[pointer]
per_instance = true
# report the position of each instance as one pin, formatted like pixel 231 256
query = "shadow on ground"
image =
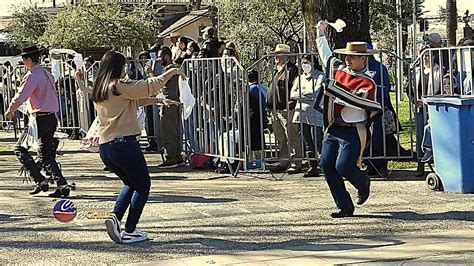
pixel 158 198
pixel 211 245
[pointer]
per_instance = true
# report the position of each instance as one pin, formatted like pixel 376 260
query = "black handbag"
pixel 390 122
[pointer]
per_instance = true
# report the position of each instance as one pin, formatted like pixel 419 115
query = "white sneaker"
pixel 113 228
pixel 134 237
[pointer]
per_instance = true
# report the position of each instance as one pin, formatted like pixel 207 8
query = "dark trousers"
pixel 125 159
pixel 420 128
pixel 47 146
pixel 313 137
pixel 170 133
pixel 2 108
pixel 426 143
pixel 341 149
pixel 150 126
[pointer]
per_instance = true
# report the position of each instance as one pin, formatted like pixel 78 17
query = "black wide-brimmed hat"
pixel 30 50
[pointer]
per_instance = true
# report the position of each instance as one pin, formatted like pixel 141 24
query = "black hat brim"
pixel 32 52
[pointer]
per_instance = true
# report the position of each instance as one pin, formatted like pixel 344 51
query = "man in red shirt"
pixel 349 107
pixel 39 92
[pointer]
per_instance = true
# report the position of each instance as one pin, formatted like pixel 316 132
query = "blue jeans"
pixel 420 126
pixel 189 131
pixel 341 149
pixel 427 138
pixel 125 159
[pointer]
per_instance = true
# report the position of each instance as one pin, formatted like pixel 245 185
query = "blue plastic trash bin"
pixel 452 133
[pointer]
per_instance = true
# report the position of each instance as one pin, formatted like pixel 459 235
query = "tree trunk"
pixel 310 17
pixel 451 22
pixel 354 12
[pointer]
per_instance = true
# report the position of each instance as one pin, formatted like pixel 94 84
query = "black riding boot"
pixel 313 170
pixel 31 169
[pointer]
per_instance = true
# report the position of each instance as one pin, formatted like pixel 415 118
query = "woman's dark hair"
pixel 195 47
pixel 230 52
pixel 89 59
pixel 110 71
pixel 183 40
pixel 253 76
pixel 165 50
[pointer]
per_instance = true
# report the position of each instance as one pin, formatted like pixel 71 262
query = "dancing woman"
pixel 117 101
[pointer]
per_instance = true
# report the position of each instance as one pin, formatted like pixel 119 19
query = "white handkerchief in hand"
pixel 78 61
pixel 186 97
pixel 339 25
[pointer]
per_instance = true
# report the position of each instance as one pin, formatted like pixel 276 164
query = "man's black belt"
pixel 44 113
pixel 132 138
pixel 344 124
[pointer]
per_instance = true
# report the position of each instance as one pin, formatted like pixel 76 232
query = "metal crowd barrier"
pixel 219 123
pixel 221 88
pixel 446 71
pixel 74 106
pixel 439 71
pixel 383 144
pixel 11 79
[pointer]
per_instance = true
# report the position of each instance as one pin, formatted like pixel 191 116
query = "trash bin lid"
pixel 451 99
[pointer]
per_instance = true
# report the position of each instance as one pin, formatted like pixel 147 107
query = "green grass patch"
pixel 5 148
pixel 405 116
pixel 406 121
pixel 401 165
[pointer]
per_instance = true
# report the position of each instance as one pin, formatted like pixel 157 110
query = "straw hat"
pixel 282 49
pixel 175 34
pixel 355 48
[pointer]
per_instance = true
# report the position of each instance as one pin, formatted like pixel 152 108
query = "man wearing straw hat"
pixel 349 108
pixel 39 91
pixel 286 133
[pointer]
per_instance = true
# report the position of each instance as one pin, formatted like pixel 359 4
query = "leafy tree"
pixel 378 25
pixel 103 26
pixel 27 26
pixel 354 13
pixel 383 18
pixel 257 26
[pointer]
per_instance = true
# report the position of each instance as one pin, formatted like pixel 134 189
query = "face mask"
pixel 306 68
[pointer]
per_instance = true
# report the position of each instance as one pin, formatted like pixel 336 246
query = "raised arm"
pixel 80 83
pixel 153 100
pixel 322 43
pixel 141 89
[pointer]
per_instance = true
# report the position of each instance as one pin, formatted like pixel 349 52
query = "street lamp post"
pixel 414 51
pixel 399 53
